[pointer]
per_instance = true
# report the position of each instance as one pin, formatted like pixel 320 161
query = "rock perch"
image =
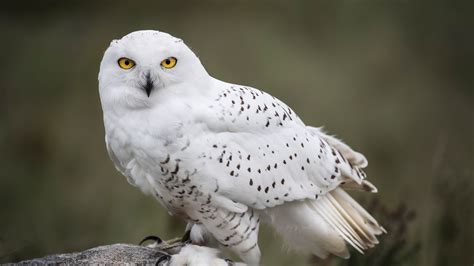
pixel 110 254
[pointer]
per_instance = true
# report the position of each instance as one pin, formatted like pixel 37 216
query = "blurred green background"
pixel 394 79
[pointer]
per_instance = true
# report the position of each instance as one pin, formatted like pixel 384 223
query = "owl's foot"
pixel 171 246
pixel 196 255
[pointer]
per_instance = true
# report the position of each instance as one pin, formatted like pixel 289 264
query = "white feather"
pixel 192 255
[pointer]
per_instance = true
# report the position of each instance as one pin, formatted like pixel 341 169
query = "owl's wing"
pixel 261 154
pixel 121 167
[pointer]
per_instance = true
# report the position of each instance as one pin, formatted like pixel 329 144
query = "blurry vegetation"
pixel 394 79
pixel 454 198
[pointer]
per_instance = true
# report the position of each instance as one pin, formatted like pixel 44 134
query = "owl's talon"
pixel 156 240
pixel 186 237
pixel 162 260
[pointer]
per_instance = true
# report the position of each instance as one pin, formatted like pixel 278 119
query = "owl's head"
pixel 136 69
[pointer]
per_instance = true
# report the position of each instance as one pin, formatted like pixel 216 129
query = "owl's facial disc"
pixel 143 68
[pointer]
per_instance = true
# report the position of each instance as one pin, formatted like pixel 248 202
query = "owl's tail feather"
pixel 323 226
pixel 352 222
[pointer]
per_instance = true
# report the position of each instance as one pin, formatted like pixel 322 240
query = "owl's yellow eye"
pixel 169 62
pixel 126 63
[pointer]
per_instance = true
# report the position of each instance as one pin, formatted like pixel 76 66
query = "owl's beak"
pixel 147 85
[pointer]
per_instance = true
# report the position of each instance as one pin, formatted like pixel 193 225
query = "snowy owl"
pixel 226 157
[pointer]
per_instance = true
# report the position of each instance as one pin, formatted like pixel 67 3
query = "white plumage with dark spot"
pixel 225 156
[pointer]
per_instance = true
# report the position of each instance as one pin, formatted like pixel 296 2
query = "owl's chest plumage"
pixel 155 158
